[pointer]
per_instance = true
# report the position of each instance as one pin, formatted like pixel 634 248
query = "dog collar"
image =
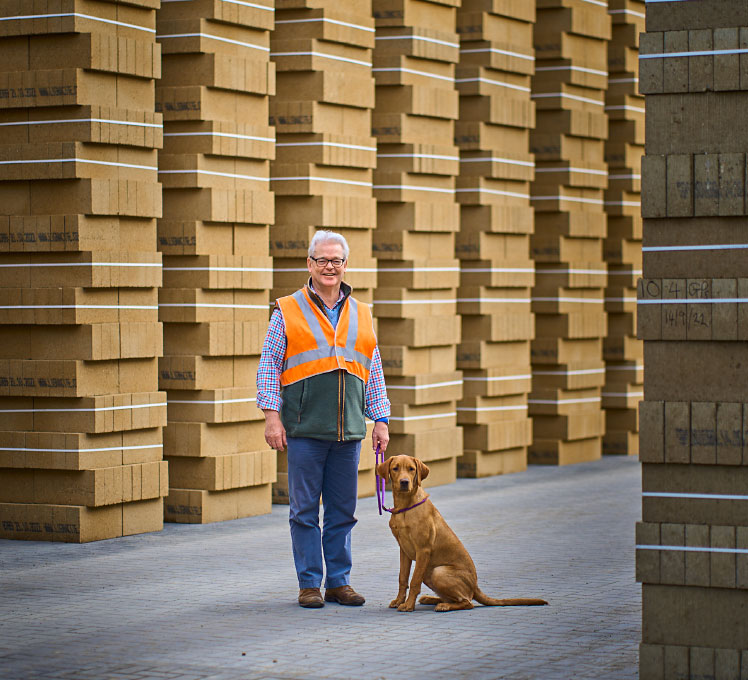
pixel 410 507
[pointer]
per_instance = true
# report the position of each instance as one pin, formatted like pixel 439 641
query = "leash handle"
pixel 378 480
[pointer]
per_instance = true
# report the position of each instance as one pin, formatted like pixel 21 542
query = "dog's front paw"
pixel 406 607
pixel 397 602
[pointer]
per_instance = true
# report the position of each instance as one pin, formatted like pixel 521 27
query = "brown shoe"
pixel 344 595
pixel 310 598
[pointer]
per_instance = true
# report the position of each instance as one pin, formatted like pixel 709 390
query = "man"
pixel 320 374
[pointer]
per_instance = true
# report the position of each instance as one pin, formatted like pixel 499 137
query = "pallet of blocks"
pixel 214 167
pixel 325 153
pixel 571 175
pixel 622 351
pixel 81 418
pixel 417 48
pixel 692 543
pixel 493 246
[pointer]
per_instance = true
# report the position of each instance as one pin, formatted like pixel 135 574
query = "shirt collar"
pixel 341 293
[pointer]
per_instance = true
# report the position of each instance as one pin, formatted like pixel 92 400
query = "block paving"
pixel 218 602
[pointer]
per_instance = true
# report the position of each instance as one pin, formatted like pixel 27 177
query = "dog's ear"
pixel 383 469
pixel 422 470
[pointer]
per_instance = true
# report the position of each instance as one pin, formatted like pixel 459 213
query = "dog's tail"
pixel 482 598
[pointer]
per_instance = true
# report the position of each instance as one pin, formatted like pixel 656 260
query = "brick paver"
pixel 218 602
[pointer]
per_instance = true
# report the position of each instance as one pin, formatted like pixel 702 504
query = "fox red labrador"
pixel 442 562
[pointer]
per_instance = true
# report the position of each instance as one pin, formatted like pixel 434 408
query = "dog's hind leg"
pixel 453 606
pixel 430 599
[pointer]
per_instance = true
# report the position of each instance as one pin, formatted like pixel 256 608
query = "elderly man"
pixel 320 374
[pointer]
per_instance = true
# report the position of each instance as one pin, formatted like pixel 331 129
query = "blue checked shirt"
pixel 271 367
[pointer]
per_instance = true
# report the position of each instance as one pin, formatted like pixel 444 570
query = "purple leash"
pixel 379 480
pixel 380 487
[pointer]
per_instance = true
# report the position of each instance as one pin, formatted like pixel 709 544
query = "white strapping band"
pixel 699 496
pixel 692 548
pixel 451 383
pixel 214 173
pixel 79 160
pixel 697 53
pixel 417 37
pixel 694 301
pixel 216 401
pixel 564 401
pixel 493 159
pixel 221 134
pixel 81 410
pixel 500 83
pixel 243 3
pixel 499 378
pixel 522 407
pixel 212 37
pixel 324 20
pixel 451 414
pixel 495 50
pixel 320 179
pixel 321 54
pixel 83 120
pixel 333 144
pixel 80 16
pixel 425 74
pixel 209 305
pixel 84 450
pixel 725 246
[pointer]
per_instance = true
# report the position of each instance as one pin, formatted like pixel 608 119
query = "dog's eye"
pixel 412 469
pixel 394 467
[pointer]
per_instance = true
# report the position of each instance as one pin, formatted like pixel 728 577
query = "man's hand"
pixel 380 436
pixel 275 433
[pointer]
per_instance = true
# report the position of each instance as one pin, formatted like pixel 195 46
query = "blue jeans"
pixel 329 469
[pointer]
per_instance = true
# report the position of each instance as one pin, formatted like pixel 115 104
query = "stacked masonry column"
pixel 496 277
pixel 623 353
pixel 692 545
pixel 80 415
pixel 417 217
pixel 214 92
pixel 570 224
pixel 322 173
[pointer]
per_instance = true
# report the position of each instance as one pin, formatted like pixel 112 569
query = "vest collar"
pixel 344 288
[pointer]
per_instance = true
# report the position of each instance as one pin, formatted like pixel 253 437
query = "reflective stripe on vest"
pixel 313 345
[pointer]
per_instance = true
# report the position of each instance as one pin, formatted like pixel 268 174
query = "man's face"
pixel 328 277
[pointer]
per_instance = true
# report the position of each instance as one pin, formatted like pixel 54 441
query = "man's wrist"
pixel 382 420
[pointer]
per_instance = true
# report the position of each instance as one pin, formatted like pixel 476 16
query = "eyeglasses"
pixel 322 262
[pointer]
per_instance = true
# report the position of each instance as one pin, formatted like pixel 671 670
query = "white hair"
pixel 324 236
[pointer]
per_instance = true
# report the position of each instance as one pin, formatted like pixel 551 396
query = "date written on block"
pixel 692 309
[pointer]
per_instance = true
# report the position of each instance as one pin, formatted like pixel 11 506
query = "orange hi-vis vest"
pixel 314 346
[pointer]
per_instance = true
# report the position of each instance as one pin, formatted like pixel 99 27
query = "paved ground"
pixel 218 601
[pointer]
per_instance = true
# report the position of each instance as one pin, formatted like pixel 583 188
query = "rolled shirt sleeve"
pixel 271 364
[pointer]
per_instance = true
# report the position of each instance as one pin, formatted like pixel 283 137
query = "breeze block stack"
pixel 215 167
pixel 570 224
pixel 692 543
pixel 325 153
pixel 623 352
pixel 493 245
pixel 80 413
pixel 415 303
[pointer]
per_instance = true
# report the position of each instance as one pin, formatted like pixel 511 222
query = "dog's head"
pixel 404 472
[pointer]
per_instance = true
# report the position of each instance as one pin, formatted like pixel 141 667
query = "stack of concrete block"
pixel 496 272
pixel 692 545
pixel 80 413
pixel 415 303
pixel 215 167
pixel 623 353
pixel 570 224
pixel 325 153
